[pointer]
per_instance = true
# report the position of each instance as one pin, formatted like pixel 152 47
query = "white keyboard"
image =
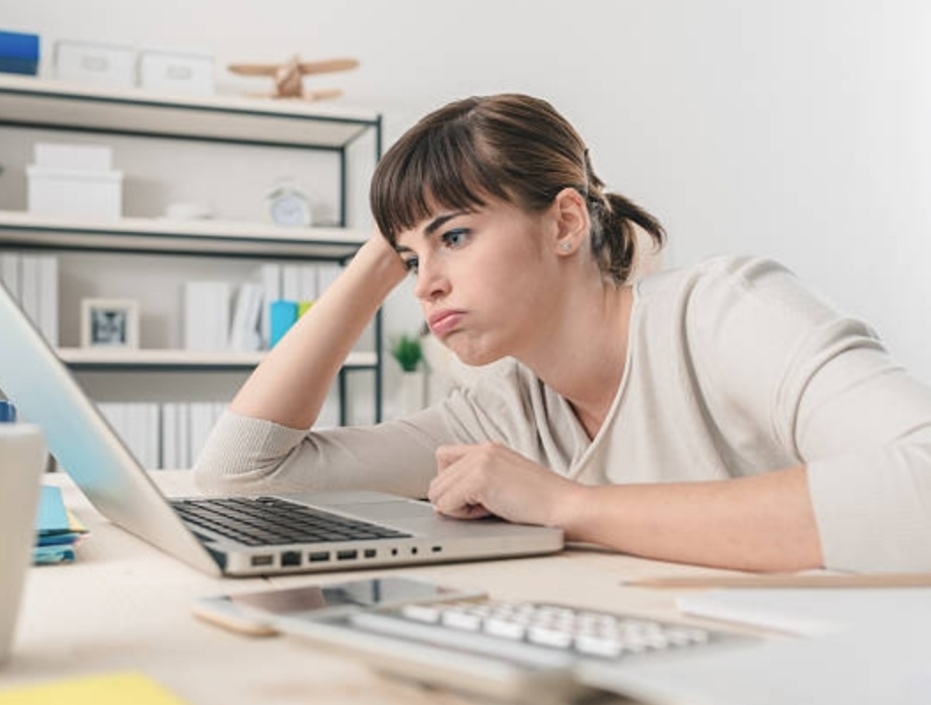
pixel 539 632
pixel 528 653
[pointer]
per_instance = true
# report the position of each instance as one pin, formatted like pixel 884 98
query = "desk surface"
pixel 123 605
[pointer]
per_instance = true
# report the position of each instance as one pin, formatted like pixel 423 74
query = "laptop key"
pixel 271 521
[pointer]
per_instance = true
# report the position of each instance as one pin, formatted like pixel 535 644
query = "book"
pixel 48 298
pixel 270 276
pixel 206 315
pixel 244 331
pixel 10 265
pixel 57 529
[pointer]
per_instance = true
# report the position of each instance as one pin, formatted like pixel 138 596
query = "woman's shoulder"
pixel 732 279
pixel 727 270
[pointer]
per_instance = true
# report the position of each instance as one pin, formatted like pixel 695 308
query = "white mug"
pixel 22 461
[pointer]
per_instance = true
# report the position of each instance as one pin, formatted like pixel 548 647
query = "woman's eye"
pixel 411 265
pixel 455 238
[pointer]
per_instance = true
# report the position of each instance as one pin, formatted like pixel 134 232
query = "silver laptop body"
pixel 45 392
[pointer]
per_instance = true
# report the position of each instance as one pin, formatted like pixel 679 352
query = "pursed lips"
pixel 443 322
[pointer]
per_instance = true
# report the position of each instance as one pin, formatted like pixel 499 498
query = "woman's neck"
pixel 584 361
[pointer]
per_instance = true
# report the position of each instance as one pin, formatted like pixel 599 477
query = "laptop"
pixel 234 536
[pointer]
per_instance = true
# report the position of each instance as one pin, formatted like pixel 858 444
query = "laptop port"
pixel 346 555
pixel 290 558
pixel 318 556
pixel 413 550
pixel 258 561
pixel 370 552
pixel 436 549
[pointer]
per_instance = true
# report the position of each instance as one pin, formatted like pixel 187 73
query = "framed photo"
pixel 109 323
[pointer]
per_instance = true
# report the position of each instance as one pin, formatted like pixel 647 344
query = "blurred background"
pixel 799 130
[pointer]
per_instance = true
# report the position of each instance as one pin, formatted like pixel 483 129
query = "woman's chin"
pixel 473 358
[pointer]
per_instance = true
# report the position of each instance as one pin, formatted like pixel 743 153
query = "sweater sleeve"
pixel 246 455
pixel 825 389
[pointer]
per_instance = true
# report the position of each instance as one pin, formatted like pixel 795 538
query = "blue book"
pixel 283 315
pixel 52 517
pixel 19 53
pixel 56 531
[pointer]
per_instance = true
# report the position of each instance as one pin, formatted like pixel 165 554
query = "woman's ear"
pixel 572 221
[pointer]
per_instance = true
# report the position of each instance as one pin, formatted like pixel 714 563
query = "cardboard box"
pixel 109 65
pixel 19 53
pixel 187 73
pixel 73 192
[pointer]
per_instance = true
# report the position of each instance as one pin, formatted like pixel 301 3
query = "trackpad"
pixel 399 509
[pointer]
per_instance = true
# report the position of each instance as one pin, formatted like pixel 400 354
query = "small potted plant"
pixel 408 351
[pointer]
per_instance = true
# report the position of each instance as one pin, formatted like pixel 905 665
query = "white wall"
pixel 799 129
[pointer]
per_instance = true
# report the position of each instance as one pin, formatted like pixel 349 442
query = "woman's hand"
pixel 478 480
pixel 380 256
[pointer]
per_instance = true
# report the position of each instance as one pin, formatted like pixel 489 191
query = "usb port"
pixel 370 552
pixel 346 555
pixel 257 561
pixel 290 558
pixel 318 556
pixel 436 549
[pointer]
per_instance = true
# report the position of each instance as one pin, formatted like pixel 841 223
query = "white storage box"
pixel 100 64
pixel 85 157
pixel 72 192
pixel 176 72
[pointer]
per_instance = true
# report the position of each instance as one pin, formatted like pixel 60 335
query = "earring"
pixel 565 246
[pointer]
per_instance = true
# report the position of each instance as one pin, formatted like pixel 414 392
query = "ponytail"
pixel 614 238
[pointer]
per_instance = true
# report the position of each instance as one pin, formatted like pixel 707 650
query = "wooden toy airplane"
pixel 287 76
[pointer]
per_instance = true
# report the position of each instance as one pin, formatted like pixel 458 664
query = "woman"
pixel 719 415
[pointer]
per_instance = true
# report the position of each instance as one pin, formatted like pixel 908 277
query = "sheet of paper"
pixel 810 611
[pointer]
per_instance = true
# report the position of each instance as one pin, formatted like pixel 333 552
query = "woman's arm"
pixel 291 384
pixel 764 522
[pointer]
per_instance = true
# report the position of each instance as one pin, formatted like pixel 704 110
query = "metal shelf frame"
pixel 28 102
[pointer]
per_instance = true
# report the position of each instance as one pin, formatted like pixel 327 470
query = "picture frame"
pixel 109 323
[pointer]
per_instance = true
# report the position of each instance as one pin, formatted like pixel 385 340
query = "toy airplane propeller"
pixel 288 76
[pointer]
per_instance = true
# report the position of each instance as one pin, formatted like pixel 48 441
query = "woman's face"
pixel 486 279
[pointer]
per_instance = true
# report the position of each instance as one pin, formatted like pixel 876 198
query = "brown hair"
pixel 511 147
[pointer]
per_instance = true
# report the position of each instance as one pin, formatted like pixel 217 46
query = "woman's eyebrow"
pixel 432 227
pixel 438 222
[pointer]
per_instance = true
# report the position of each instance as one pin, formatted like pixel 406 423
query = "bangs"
pixel 438 167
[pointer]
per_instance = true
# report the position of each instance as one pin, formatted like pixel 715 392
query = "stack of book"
pixel 33 281
pixel 216 319
pixel 57 529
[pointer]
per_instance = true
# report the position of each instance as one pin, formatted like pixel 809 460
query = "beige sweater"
pixel 733 369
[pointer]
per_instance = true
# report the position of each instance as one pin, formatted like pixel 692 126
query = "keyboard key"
pixel 548 627
pixel 271 521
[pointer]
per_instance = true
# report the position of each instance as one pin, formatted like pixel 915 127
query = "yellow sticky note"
pixel 113 689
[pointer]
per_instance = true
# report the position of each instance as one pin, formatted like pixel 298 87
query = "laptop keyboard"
pixel 270 521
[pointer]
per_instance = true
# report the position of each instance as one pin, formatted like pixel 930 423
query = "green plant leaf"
pixel 408 352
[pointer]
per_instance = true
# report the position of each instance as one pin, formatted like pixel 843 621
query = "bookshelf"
pixel 34 103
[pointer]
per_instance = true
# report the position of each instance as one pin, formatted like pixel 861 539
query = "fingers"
pixel 447 455
pixel 456 489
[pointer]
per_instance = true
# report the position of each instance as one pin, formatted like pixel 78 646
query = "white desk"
pixel 124 605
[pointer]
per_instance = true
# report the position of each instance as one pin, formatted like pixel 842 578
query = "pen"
pixel 778 580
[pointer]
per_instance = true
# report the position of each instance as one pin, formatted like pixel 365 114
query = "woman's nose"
pixel 431 282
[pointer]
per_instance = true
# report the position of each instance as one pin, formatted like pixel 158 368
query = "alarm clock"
pixel 288 206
